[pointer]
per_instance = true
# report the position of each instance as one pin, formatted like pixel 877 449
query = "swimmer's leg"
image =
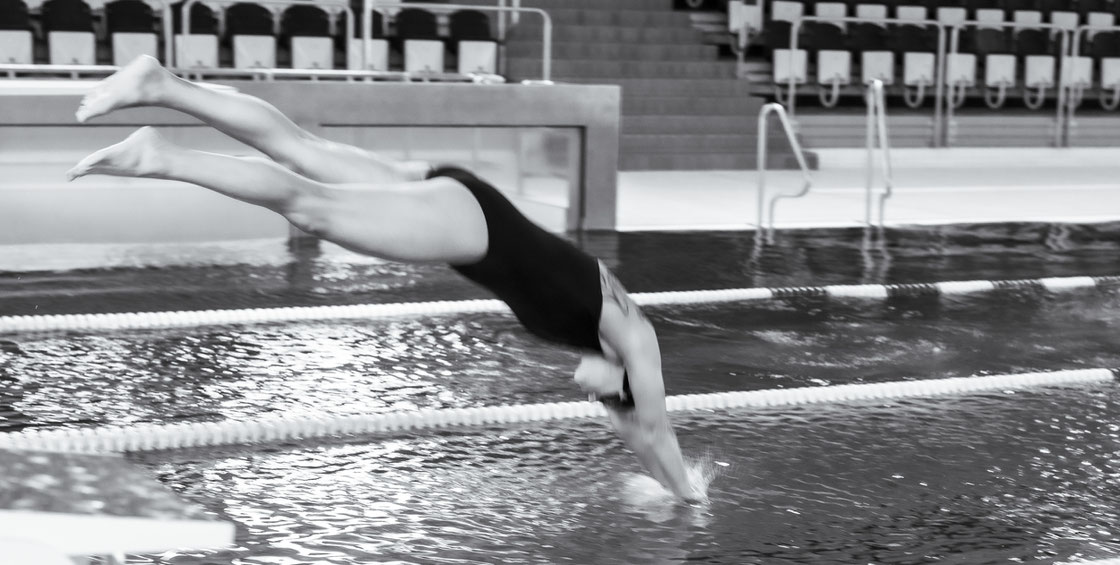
pixel 144 82
pixel 431 220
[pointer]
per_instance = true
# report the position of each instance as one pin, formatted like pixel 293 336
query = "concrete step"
pixel 653 124
pixel 689 106
pixel 615 51
pixel 687 143
pixel 604 16
pixel 531 67
pixel 658 5
pixel 674 87
pixel 529 31
pixel 706 161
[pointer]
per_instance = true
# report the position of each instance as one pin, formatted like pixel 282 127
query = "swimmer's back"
pixel 552 287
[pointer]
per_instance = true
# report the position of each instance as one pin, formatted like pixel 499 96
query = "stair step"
pixel 614 17
pixel 607 34
pixel 686 162
pixel 660 5
pixel 531 67
pixel 689 124
pixel 615 51
pixel 707 161
pixel 634 87
pixel 689 106
pixel 688 143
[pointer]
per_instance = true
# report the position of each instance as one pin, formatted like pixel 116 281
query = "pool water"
pixel 1001 477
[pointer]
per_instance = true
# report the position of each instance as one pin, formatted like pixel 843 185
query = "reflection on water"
pixel 993 478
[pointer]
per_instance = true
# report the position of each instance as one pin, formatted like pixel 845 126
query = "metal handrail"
pixel 515 10
pixel 954 45
pixel 877 130
pixel 939 66
pixel 1072 102
pixel 763 123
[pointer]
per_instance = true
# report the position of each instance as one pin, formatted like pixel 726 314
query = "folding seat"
pixel 378 57
pixel 16 40
pixel 1077 72
pixel 1024 11
pixel 131 25
pixel 69 28
pixel 951 15
pixel 306 29
pixel 1036 48
pixel 785 11
pixel 918 47
pixel 473 42
pixel 251 29
pixel 1106 47
pixel 1000 64
pixel 834 61
pixel 871 10
pixel 990 15
pixel 744 17
pixel 418 34
pixel 832 10
pixel 870 42
pixel 911 11
pixel 1097 13
pixel 198 47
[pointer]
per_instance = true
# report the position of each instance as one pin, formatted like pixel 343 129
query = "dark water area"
pixel 60 280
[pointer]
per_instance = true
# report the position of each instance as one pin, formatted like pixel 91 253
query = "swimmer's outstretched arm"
pixel 646 428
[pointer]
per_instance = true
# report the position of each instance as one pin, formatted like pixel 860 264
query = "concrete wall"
pixel 557 141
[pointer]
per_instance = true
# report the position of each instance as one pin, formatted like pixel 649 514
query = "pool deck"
pixel 931 186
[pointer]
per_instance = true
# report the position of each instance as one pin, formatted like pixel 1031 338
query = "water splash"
pixel 645 496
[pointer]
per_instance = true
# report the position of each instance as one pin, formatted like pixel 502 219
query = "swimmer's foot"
pixel 137 84
pixel 137 156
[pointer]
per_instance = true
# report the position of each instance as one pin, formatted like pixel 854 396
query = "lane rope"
pixel 155 437
pixel 179 319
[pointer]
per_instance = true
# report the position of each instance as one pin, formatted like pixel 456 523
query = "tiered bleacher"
pixel 995 50
pixel 321 35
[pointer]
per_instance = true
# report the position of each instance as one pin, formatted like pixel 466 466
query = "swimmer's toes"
pixel 133 85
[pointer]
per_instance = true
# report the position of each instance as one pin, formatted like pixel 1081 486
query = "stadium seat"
pixel 832 10
pixel 783 11
pixel 744 17
pixel 991 16
pixel 69 28
pixel 911 12
pixel 131 26
pixel 918 47
pixel 473 42
pixel 1106 47
pixel 16 39
pixel 1035 46
pixel 951 15
pixel 872 11
pixel 834 61
pixel 876 59
pixel 1000 63
pixel 378 57
pixel 252 31
pixel 198 48
pixel 307 31
pixel 418 32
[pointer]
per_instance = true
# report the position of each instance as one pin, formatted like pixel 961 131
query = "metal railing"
pixel 939 65
pixel 1075 93
pixel 877 131
pixel 765 225
pixel 954 45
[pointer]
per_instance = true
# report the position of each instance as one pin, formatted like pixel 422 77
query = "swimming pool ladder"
pixel 765 223
pixel 877 131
